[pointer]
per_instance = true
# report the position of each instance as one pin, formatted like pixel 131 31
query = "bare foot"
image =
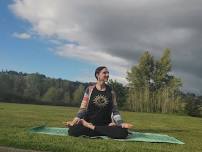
pixel 112 124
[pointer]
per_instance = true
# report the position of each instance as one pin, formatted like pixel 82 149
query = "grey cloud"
pixel 176 25
pixel 126 29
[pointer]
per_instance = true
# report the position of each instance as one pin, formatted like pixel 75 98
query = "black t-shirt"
pixel 99 107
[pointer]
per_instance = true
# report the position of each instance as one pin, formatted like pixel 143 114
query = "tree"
pixel 151 86
pixel 19 85
pixel 67 98
pixel 6 84
pixel 78 95
pixel 140 83
pixel 193 105
pixel 142 74
pixel 50 95
pixel 120 92
pixel 32 86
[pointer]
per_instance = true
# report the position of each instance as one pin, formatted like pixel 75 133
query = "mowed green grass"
pixel 16 119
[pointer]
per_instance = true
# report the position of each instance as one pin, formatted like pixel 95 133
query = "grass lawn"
pixel 15 119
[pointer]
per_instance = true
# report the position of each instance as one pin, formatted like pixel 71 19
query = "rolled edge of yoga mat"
pixel 38 127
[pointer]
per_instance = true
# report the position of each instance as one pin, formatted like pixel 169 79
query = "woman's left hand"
pixel 68 123
pixel 126 125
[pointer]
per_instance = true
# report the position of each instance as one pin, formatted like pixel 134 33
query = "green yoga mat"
pixel 134 136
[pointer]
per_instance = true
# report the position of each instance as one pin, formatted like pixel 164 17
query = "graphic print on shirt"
pixel 100 101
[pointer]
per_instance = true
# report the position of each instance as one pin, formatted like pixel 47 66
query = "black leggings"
pixel 110 131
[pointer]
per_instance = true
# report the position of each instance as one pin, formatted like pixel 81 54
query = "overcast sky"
pixel 116 33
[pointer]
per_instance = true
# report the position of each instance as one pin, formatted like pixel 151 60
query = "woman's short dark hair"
pixel 98 69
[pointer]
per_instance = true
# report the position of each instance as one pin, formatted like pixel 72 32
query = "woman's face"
pixel 103 75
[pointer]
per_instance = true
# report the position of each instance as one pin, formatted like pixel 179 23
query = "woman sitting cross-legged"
pixel 98 114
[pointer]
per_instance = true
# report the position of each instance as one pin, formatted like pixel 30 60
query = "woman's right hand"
pixel 76 120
